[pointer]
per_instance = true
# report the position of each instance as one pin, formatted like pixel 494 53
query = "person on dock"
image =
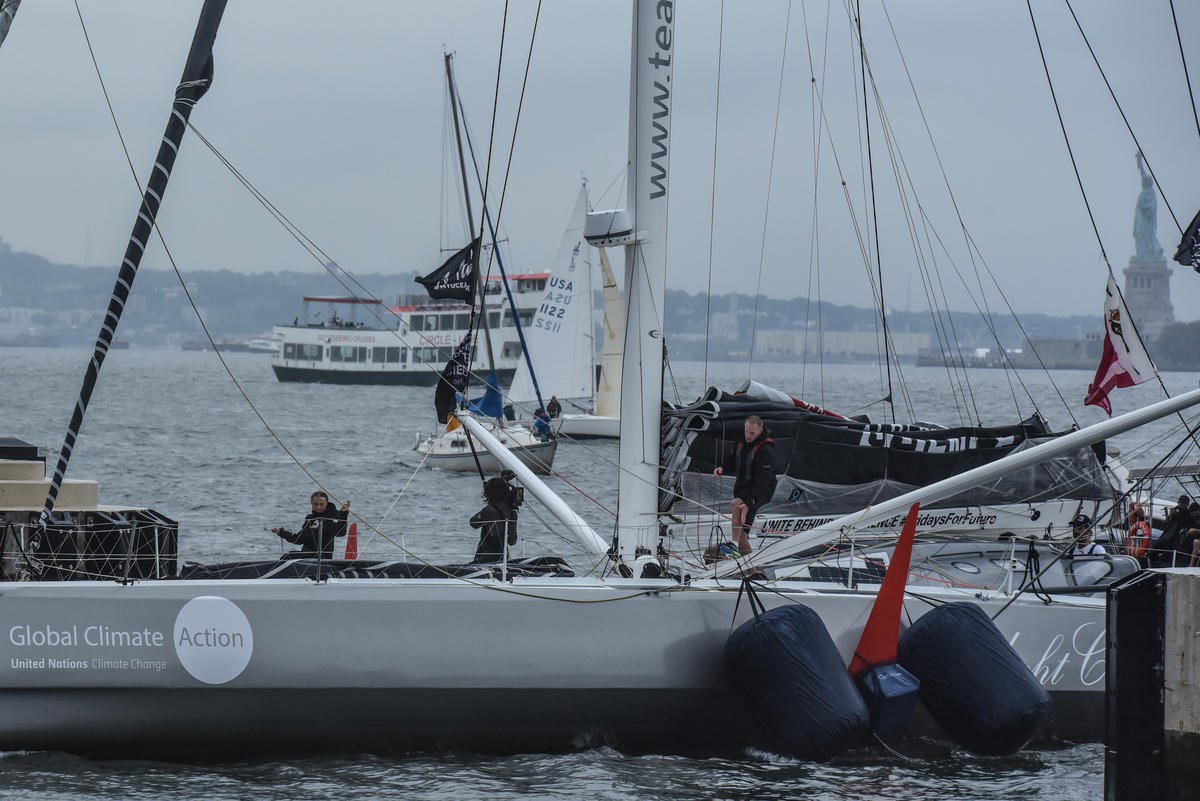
pixel 319 529
pixel 497 519
pixel 752 461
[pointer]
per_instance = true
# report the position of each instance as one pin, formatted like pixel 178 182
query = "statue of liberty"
pixel 1145 218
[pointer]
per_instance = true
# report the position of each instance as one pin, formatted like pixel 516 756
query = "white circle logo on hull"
pixel 213 639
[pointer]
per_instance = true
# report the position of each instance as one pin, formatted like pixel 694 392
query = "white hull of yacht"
pixel 452 450
pixel 588 426
pixel 199 667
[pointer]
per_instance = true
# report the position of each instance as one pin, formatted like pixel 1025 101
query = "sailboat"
pixel 306 654
pixel 451 448
pixel 562 338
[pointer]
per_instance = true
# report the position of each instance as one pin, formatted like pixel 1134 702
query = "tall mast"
pixel 462 171
pixel 197 76
pixel 645 279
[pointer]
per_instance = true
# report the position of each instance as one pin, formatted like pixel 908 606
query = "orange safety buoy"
pixel 1139 539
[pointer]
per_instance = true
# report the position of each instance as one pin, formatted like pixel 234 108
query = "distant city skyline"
pixel 339 119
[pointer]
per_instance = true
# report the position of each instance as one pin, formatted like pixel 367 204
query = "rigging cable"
pixel 1183 59
pixel 972 248
pixel 712 202
pixel 862 64
pixel 1079 180
pixel 762 245
pixel 1125 119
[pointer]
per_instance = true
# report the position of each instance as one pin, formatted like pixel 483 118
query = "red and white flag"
pixel 1124 361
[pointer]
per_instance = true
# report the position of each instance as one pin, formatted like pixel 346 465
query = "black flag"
pixel 456 278
pixel 1189 247
pixel 453 380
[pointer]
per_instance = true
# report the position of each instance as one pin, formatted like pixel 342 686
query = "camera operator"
pixel 498 519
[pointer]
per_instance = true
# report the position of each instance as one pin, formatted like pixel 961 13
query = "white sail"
pixel 608 389
pixel 560 340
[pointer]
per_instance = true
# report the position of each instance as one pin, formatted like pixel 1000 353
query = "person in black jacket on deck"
pixel 318 530
pixel 752 460
pixel 498 519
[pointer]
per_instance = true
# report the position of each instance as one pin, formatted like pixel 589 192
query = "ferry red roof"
pixel 519 276
pixel 350 300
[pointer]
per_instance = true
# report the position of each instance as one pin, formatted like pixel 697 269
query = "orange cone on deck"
pixel 352 542
pixel 879 638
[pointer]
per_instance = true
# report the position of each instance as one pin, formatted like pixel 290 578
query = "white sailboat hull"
pixel 539 664
pixel 588 426
pixel 452 450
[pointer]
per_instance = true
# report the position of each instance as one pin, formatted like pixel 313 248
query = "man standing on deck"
pixel 752 460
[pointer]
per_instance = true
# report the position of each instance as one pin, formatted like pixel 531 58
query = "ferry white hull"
pixel 194 668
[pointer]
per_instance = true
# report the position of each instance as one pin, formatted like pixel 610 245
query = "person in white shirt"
pixel 1081 528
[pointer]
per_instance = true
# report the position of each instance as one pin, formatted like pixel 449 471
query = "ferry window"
pixel 493 319
pixel 378 355
pixel 527 317
pixel 403 355
pixel 314 352
pixel 289 350
pixel 539 284
pixel 461 321
pixel 416 322
pixel 511 350
pixel 335 354
pixel 508 318
pixel 393 354
pixel 362 353
pixel 446 323
pixel 443 354
pixel 431 322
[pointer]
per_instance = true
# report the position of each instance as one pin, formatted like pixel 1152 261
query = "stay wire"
pixel 1121 110
pixel 712 201
pixel 862 63
pixel 274 434
pixel 1132 323
pixel 972 248
pixel 1183 59
pixel 762 245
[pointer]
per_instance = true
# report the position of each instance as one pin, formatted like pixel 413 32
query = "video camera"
pixel 516 495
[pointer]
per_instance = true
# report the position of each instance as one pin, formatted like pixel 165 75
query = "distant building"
pixel 1148 278
pixel 837 344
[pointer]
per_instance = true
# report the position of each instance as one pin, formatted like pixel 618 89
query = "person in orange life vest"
pixel 752 460
pixel 1139 534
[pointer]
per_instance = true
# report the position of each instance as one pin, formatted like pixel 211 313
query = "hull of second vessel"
pixel 588 426
pixel 198 668
pixel 317 375
pixel 537 458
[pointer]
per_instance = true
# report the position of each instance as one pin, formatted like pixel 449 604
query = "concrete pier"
pixel 1153 687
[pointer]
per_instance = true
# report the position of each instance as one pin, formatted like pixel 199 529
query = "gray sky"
pixel 336 112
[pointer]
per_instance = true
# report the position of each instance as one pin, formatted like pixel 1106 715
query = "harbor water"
pixel 172 431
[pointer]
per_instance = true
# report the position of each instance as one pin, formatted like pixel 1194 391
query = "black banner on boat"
pixel 1188 253
pixel 453 380
pixel 456 278
pixel 197 76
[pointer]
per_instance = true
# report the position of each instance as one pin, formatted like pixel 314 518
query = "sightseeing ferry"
pixel 351 340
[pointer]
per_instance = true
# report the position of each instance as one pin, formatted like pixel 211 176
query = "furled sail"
pixel 608 388
pixel 830 464
pixel 560 336
pixel 197 77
